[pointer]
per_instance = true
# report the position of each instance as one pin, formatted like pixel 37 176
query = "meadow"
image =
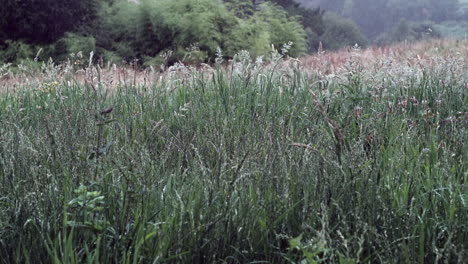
pixel 356 156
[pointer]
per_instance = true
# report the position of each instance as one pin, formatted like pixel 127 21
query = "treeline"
pixel 386 21
pixel 153 32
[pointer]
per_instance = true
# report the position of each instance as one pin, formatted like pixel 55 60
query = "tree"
pixel 43 21
pixel 282 28
pixel 340 32
pixel 443 9
pixel 408 31
pixel 241 8
pixel 310 18
pixel 377 16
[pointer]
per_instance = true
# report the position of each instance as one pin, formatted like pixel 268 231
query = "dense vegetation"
pixel 358 159
pixel 377 17
pixel 154 32
pixel 148 30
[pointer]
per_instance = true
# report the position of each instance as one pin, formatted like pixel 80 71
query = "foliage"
pixel 208 25
pixel 408 31
pixel 73 44
pixel 240 8
pixel 179 24
pixel 341 32
pixel 115 31
pixel 280 29
pixel 442 10
pixel 311 19
pixel 16 51
pixel 377 16
pixel 41 21
pixel 123 31
pixel 453 29
pixel 462 13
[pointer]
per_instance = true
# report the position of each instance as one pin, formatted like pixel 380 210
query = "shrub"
pixel 121 30
pixel 313 40
pixel 279 28
pixel 73 43
pixel 341 32
pixel 271 25
pixel 115 30
pixel 15 51
pixel 178 25
pixel 107 56
pixel 43 22
pixel 240 8
pixel 408 31
pixel 453 29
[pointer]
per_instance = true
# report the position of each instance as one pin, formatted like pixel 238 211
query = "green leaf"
pixel 344 260
pixel 310 257
pixel 295 243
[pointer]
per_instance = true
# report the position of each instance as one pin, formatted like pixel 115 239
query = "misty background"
pixel 154 32
pixel 376 17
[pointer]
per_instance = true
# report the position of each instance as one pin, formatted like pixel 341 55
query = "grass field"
pixel 357 156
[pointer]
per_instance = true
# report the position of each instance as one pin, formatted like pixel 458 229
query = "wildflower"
pixel 375 98
pixel 286 47
pixel 358 111
pixel 428 113
pixel 425 152
pixel 424 103
pixel 403 103
pixel 414 100
pixel 369 144
pixel 441 145
pixel 390 107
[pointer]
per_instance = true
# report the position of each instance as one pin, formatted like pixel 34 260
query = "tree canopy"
pixel 155 30
pixel 43 21
pixel 378 16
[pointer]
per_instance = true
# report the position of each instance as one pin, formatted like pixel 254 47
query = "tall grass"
pixel 248 163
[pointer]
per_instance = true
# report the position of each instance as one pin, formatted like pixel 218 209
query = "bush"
pixel 122 30
pixel 408 31
pixel 278 28
pixel 15 51
pixel 43 22
pixel 73 43
pixel 177 25
pixel 313 40
pixel 453 29
pixel 118 29
pixel 107 56
pixel 208 25
pixel 271 25
pixel 341 32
